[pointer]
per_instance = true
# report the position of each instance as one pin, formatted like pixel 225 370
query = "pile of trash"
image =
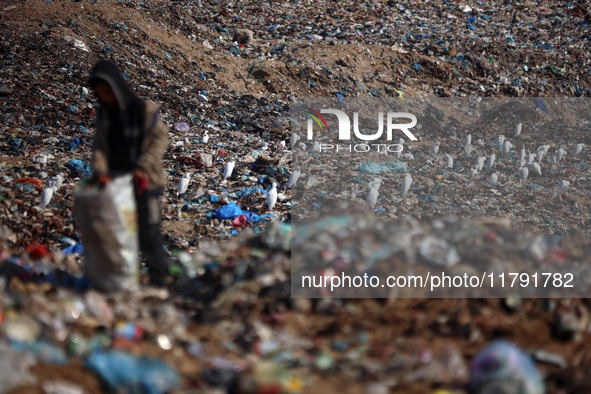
pixel 526 159
pixel 240 331
pixel 225 74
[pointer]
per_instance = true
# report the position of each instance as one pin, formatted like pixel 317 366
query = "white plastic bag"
pixel 108 224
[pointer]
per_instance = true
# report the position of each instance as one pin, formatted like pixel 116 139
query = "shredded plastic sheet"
pixel 124 372
pixel 232 211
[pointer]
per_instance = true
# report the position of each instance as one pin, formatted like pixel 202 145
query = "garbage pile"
pixel 240 331
pixel 225 74
pixel 350 242
pixel 526 159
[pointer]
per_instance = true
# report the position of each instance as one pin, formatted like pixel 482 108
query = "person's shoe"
pixel 180 283
pixel 176 280
pixel 159 279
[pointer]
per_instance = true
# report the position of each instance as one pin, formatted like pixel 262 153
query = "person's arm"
pixel 151 156
pixel 99 158
pixel 100 164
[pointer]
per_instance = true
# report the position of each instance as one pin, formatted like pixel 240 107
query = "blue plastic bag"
pixel 250 190
pixel 502 361
pixel 232 211
pixel 229 211
pixel 76 143
pixel 181 127
pixel 253 217
pixel 541 104
pixel 44 351
pixel 78 248
pixel 80 166
pixel 126 373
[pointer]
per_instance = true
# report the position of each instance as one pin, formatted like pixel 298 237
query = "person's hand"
pixel 140 179
pixel 102 180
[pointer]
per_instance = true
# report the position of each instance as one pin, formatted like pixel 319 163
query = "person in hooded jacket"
pixel 131 138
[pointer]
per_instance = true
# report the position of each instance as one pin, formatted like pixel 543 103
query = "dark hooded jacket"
pixel 130 134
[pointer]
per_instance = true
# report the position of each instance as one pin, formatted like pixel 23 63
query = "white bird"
pixel 472 172
pixel 541 152
pixel 480 163
pixel 435 148
pixel 449 161
pixel 202 98
pixel 507 147
pixel 46 196
pixel 577 149
pixel 228 169
pixel 272 197
pixel 564 185
pixel 469 149
pixel 518 130
pixel 293 140
pixel 531 157
pixel 205 138
pixel 493 178
pixel 293 178
pixel 373 192
pixel 56 181
pixel 500 141
pixel 375 183
pixel 400 141
pixel 40 158
pixel 491 161
pixel 560 154
pixel 52 183
pixel 468 140
pixel 523 173
pixel 536 167
pixel 405 186
pixel 552 158
pixel 522 163
pixel 522 154
pixel 183 185
pixel 316 146
pixel 372 197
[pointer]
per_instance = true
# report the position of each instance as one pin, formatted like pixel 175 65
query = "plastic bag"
pixel 108 224
pixel 80 166
pixel 125 373
pixel 504 363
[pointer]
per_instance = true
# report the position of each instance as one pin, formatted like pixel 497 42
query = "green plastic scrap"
pixel 555 70
pixel 253 67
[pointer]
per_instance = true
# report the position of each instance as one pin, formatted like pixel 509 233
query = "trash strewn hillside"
pixel 229 70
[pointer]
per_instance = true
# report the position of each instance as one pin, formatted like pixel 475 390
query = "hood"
pixel 107 71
